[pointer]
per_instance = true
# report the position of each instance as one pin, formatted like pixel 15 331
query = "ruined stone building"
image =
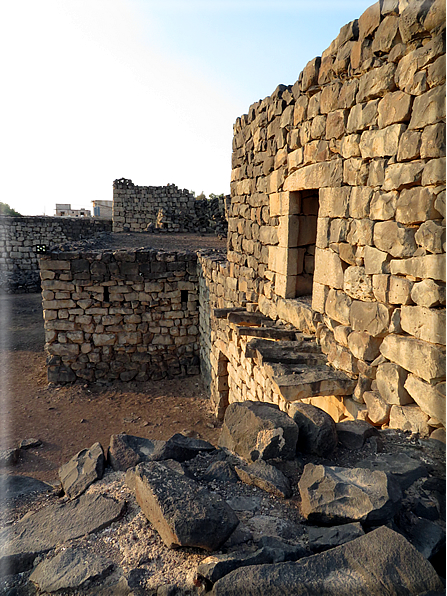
pixel 332 289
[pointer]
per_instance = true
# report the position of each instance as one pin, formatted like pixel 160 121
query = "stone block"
pixel 394 107
pixel 399 290
pixel 328 269
pixel 338 306
pixel 430 398
pixel 385 35
pixel 409 145
pixel 317 433
pixel 378 409
pixel 341 334
pixel 360 233
pixel 57 349
pixel 435 16
pixel 359 201
pixel 357 284
pixel 375 260
pixel 428 293
pixel 434 172
pixel 362 116
pixel 323 230
pixel 338 230
pixel 411 20
pixel 319 296
pixel 425 360
pixel 295 159
pixel 284 203
pixel 336 124
pixel 347 253
pixel 370 317
pixel 440 203
pixel 334 202
pixel 376 83
pixel 410 418
pixel 376 176
pixel 390 379
pixel 424 323
pixel 363 346
pixel 355 171
pixel 383 205
pixel 428 108
pixel 399 175
pixel 315 176
pixel 433 141
pixel 431 236
pixel 286 261
pixel 350 146
pixel 330 97
pixel 300 110
pixel 310 73
pixel 369 21
pixel 394 238
pixel 381 284
pixel 429 266
pixel 382 142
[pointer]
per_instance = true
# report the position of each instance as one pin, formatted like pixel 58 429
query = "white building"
pixel 65 210
pixel 102 209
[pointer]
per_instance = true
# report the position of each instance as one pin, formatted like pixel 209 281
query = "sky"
pixel 149 90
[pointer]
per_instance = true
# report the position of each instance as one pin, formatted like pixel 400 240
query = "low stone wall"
pixel 129 314
pixel 21 239
pixel 165 209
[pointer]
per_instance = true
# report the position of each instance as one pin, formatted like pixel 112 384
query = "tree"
pixel 7 210
pixel 201 196
pixel 213 196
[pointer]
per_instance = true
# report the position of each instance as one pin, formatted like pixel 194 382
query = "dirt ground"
pixel 70 418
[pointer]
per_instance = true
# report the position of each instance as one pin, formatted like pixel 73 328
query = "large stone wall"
pixel 22 237
pixel 128 314
pixel 165 209
pixel 338 194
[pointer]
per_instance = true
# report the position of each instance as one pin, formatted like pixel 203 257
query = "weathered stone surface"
pixel 394 238
pixel 217 566
pixel 378 409
pixel 316 176
pixel 334 202
pixel 424 323
pixel 376 83
pixel 338 306
pixel 434 172
pixel 429 266
pixel 389 564
pixel 404 469
pixel 328 269
pixel 428 293
pixel 426 536
pixel 41 531
pixel 409 146
pixel 399 175
pixel 321 539
pixel 430 398
pixel 363 346
pixel 317 432
pixel 179 448
pixel 375 260
pixel 431 236
pixel 390 379
pixel 82 470
pixel 14 487
pixel 258 430
pixel 182 512
pixel 363 115
pixel 369 21
pixel 382 142
pixel 370 317
pixel 428 108
pixel 352 434
pixel 371 497
pixel 221 471
pixel 411 19
pixel 410 418
pixel 266 477
pixel 70 568
pixel 415 205
pixel 433 141
pixel 383 205
pixel 357 284
pixel 425 360
pixel 126 451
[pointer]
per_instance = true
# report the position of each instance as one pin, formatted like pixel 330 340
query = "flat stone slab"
pixel 321 539
pixel 249 318
pixel 182 512
pixel 69 569
pixel 284 351
pixel 14 487
pixel 266 333
pixel 82 470
pixel 41 531
pixel 380 563
pixel 300 381
pixel 403 468
pixel 126 451
pixel 352 434
pixel 257 430
pixel 266 477
pixel 334 495
pixel 216 566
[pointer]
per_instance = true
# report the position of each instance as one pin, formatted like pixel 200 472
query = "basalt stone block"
pixel 403 468
pixel 126 451
pixel 352 434
pixel 321 539
pixel 182 512
pixel 82 470
pixel 257 430
pixel 389 565
pixel 317 430
pixel 266 477
pixel 371 497
pixel 179 448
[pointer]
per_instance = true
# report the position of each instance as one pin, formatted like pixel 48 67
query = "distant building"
pixel 65 210
pixel 102 209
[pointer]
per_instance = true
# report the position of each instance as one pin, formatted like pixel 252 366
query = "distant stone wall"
pixel 128 314
pixel 164 209
pixel 22 237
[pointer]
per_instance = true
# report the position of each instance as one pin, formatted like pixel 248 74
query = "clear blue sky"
pixel 144 89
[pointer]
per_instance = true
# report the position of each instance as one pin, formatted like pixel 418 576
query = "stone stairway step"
pixel 284 351
pixel 250 318
pixel 295 382
pixel 272 333
pixel 222 313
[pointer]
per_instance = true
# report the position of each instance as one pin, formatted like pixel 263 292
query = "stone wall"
pixel 338 193
pixel 22 237
pixel 128 314
pixel 165 209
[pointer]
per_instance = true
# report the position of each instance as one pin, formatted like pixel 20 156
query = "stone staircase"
pixel 292 360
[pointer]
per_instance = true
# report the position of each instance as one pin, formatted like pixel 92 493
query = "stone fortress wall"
pixel 332 290
pixel 22 237
pixel 165 209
